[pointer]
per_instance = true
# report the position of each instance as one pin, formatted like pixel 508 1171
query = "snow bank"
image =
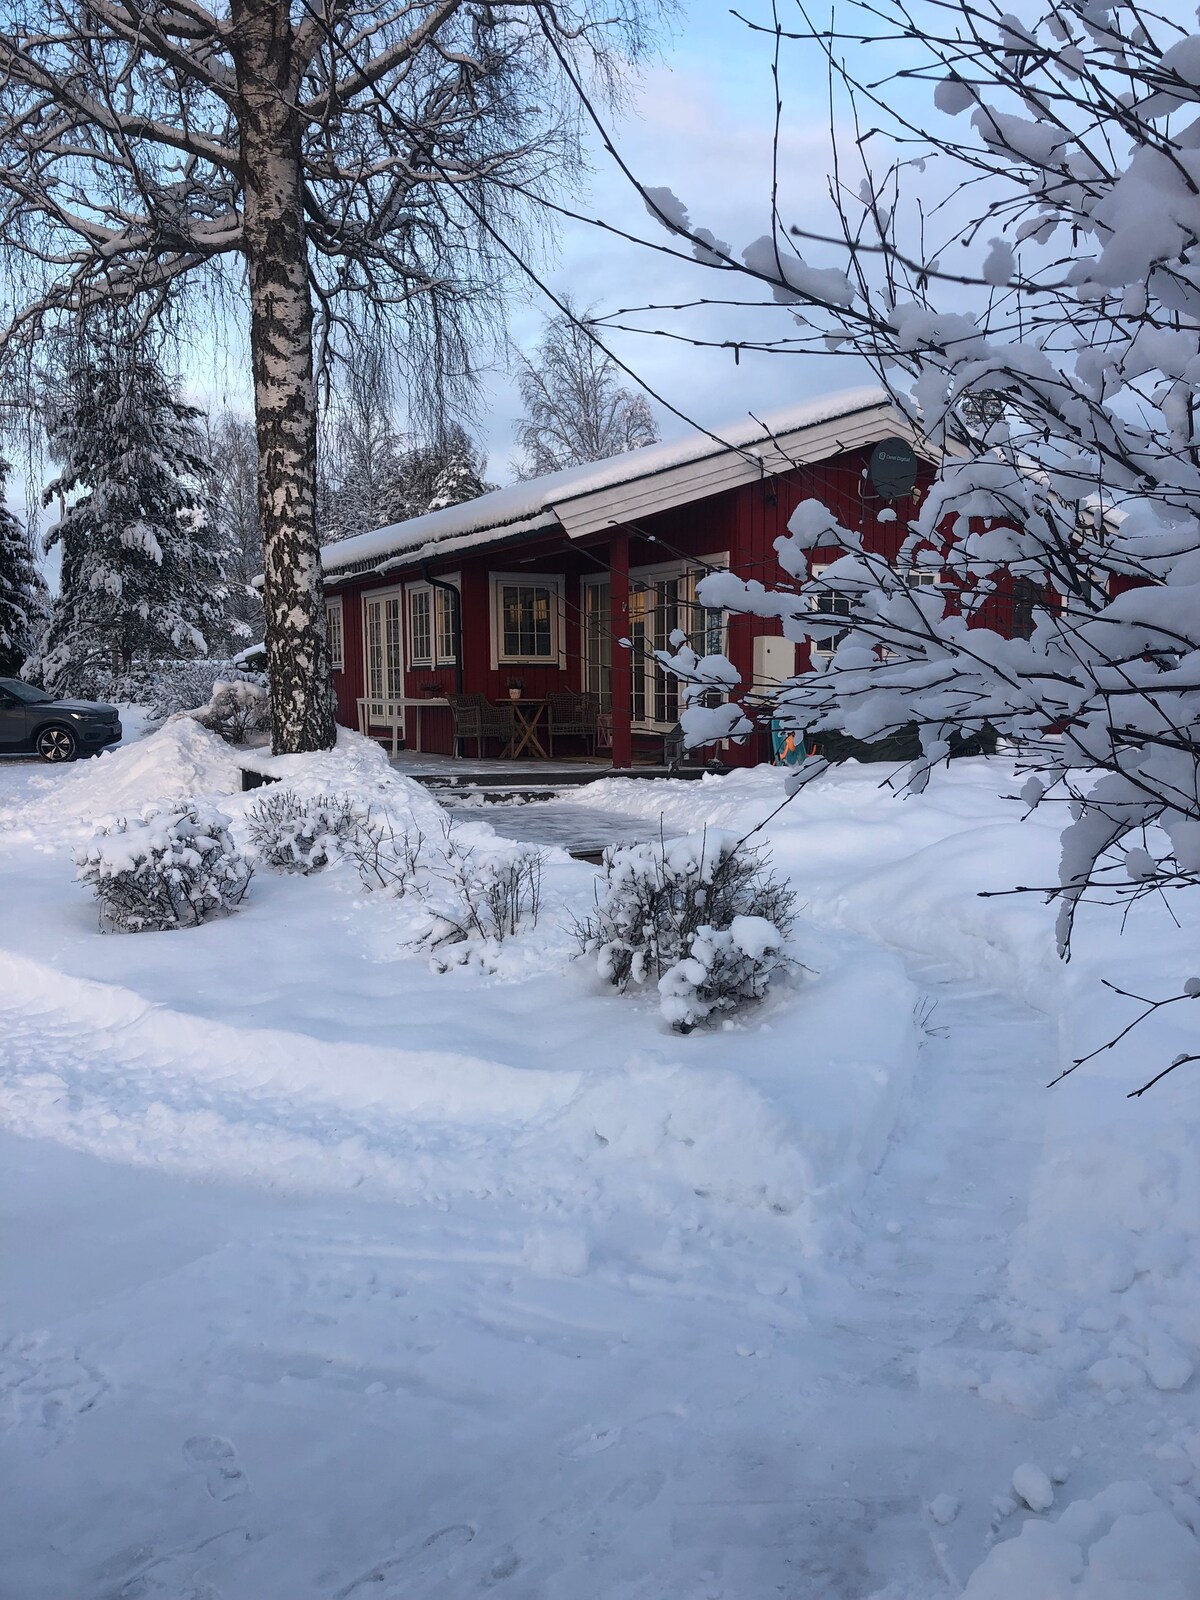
pixel 183 760
pixel 153 1084
pixel 180 761
pixel 1121 1545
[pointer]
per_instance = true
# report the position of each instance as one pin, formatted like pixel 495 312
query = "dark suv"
pixel 58 730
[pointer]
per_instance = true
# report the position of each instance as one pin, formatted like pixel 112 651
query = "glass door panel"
pixel 384 643
pixel 597 641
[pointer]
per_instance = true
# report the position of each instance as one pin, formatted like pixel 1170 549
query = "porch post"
pixel 622 653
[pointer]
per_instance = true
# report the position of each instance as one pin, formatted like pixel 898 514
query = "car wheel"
pixel 57 744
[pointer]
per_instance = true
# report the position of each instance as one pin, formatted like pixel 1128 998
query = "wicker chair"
pixel 574 716
pixel 475 717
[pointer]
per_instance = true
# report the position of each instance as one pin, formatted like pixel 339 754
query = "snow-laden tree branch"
pixel 1052 372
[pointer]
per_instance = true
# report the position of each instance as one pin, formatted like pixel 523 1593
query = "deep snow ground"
pixel 326 1275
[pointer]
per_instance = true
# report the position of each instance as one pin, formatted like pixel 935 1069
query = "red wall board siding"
pixel 742 524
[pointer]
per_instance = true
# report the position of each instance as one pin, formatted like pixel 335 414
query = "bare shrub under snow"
pixel 386 857
pixel 174 867
pixel 494 890
pixel 478 894
pixel 702 917
pixel 295 835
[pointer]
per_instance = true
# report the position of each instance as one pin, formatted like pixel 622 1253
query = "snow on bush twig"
pixel 174 867
pixel 494 890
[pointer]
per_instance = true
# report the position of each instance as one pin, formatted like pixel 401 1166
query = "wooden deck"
pixel 453 772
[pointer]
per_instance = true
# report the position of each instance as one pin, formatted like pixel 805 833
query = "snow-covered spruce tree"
pixel 373 477
pixel 575 407
pixel 444 472
pixel 1053 369
pixel 141 568
pixel 22 592
pixel 366 167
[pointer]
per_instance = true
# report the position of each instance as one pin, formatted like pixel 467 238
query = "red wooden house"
pixel 571 582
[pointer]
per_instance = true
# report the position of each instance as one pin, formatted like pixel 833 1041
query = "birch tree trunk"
pixel 281 323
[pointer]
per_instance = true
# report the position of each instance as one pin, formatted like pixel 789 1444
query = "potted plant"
pixel 515 686
pixel 431 690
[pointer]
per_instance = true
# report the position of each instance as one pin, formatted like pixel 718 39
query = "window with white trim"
pixel 924 578
pixel 831 605
pixel 335 635
pixel 431 625
pixel 527 625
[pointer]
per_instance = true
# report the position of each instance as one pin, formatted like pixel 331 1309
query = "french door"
pixel 383 646
pixel 662 602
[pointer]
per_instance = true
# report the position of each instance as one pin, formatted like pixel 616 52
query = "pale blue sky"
pixel 701 125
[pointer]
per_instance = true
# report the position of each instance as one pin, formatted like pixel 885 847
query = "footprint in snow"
pixel 399 1571
pixel 588 1442
pixel 216 1459
pixel 505 1564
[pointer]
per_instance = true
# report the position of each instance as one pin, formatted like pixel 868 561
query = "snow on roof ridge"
pixel 530 503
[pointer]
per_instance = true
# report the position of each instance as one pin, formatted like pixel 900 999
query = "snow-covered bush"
pixel 493 890
pixel 237 707
pixel 295 835
pixel 724 967
pixel 168 687
pixel 173 867
pixel 702 917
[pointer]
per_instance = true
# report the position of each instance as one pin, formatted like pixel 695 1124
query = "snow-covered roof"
pixel 586 499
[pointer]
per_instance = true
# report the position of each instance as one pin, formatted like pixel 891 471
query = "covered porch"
pixel 538 660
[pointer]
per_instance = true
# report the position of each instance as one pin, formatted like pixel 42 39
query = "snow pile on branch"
pixel 173 868
pixel 702 917
pixel 1047 581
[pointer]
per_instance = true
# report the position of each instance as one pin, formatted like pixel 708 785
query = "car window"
pixel 25 692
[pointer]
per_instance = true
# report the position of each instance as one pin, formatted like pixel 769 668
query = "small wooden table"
pixel 529 714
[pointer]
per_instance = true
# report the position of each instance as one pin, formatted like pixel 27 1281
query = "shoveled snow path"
pixel 343 1397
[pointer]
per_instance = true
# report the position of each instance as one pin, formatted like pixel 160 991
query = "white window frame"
pixel 337 660
pixel 692 570
pixel 441 652
pixel 555 582
pixel 817 650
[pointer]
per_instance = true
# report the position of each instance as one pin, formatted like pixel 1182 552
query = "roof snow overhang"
pixel 593 499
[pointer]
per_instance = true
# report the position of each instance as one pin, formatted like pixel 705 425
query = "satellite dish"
pixel 893 468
